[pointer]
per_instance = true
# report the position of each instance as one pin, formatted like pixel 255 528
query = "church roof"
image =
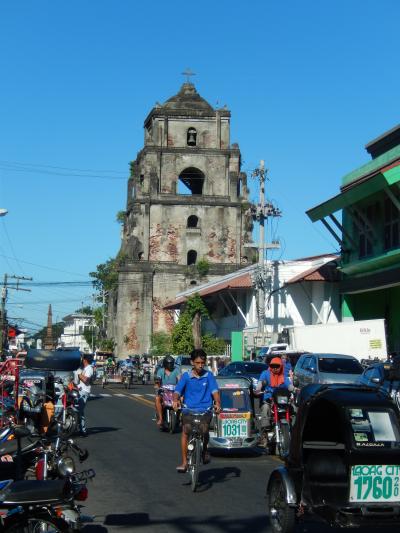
pixel 188 103
pixel 188 99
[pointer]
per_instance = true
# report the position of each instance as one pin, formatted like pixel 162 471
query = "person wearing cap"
pixel 270 379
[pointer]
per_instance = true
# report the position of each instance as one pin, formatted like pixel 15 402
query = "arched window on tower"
pixel 191 257
pixel 191 138
pixel 192 221
pixel 190 181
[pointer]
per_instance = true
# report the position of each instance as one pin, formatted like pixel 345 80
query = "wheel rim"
pixel 35 525
pixel 277 505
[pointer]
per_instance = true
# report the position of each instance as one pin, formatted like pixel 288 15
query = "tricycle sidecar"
pixel 343 463
pixel 234 427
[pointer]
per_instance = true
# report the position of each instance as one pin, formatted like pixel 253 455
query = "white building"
pixel 299 292
pixel 75 325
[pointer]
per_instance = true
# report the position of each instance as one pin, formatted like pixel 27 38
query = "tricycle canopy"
pixel 233 382
pixel 64 360
pixel 352 416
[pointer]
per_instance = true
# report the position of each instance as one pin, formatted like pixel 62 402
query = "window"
pixel 339 365
pixel 192 221
pixel 191 137
pixel 365 219
pixel 391 225
pixel 306 362
pixel 191 181
pixel 191 257
pixel 193 282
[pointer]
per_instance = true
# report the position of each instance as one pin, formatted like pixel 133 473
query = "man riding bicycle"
pixel 167 375
pixel 199 390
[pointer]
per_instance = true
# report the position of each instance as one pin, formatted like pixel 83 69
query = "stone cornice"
pixel 148 149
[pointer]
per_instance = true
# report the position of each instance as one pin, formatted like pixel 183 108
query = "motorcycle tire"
pixel 30 523
pixel 283 446
pixel 71 423
pixel 172 421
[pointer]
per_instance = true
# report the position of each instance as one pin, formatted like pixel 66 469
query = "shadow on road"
pixel 186 524
pixel 216 524
pixel 101 429
pixel 212 476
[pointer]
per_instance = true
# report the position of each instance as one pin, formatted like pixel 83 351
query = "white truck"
pixel 364 339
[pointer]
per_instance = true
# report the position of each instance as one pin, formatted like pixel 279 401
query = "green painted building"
pixel 369 236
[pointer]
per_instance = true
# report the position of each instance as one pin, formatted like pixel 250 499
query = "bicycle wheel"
pixel 194 471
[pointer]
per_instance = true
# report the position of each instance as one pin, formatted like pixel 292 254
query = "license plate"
pixel 234 427
pixel 375 483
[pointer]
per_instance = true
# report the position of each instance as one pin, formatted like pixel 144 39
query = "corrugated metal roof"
pixel 326 272
pixel 243 281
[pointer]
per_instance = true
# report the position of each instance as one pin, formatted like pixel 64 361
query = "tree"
pixel 161 343
pixel 86 310
pixel 105 278
pixel 196 309
pixel 183 339
pixel 57 329
pixel 120 217
pixel 213 345
pixel 181 336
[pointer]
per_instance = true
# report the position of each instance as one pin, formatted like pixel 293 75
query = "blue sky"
pixel 308 84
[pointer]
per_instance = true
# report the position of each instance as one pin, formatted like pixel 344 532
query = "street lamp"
pixel 3 212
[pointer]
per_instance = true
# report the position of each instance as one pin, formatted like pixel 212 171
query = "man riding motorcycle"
pixel 167 375
pixel 272 378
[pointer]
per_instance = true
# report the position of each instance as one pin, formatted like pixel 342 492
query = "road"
pixel 137 489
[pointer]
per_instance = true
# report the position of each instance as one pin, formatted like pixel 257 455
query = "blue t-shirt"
pixel 171 379
pixel 197 391
pixel 266 376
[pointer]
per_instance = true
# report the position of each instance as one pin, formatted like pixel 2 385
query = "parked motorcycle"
pixel 30 506
pixel 66 408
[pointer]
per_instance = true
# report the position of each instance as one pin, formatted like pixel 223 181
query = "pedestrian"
pixel 83 379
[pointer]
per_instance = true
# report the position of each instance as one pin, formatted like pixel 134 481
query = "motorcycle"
pixel 171 418
pixel 66 408
pixel 43 505
pixel 145 375
pixel 277 438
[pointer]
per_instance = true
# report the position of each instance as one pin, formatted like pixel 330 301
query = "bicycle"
pixel 195 449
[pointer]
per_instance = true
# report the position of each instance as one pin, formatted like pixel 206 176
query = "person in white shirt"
pixel 83 380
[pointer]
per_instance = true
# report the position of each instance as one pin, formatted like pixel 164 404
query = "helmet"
pixel 169 362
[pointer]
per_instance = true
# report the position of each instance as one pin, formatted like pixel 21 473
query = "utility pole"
pixel 261 213
pixel 4 292
pixel 93 299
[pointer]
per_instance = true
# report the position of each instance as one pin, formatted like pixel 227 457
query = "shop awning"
pixel 357 191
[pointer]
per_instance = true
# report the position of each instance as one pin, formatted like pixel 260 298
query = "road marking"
pixel 105 395
pixel 151 395
pixel 136 395
pixel 120 395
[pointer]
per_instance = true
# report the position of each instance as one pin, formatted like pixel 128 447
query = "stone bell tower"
pixel 187 201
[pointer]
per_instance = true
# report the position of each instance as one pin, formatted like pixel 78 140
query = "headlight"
pixel 65 466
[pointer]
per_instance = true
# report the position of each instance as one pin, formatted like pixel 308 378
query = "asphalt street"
pixel 137 488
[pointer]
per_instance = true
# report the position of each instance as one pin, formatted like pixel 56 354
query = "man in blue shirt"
pixel 167 375
pixel 199 390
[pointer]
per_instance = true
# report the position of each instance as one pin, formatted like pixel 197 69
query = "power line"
pixel 64 174
pixel 61 168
